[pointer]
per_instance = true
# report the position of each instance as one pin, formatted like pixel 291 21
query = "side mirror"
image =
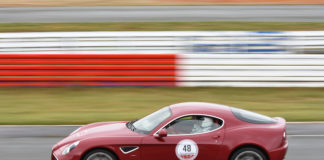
pixel 162 133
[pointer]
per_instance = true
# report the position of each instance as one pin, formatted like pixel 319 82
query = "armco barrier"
pixel 238 70
pixel 252 70
pixel 224 42
pixel 90 69
pixel 235 58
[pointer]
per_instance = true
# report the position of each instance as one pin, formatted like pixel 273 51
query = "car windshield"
pixel 150 122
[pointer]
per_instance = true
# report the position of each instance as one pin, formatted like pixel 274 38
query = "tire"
pixel 248 153
pixel 101 154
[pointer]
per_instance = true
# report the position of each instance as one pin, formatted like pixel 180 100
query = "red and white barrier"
pixel 163 58
pixel 236 70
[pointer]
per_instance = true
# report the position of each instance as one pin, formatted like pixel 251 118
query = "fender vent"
pixel 128 149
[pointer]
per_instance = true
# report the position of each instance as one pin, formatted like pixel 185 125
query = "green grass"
pixel 80 105
pixel 160 26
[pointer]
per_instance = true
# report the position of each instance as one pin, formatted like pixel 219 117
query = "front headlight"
pixel 70 147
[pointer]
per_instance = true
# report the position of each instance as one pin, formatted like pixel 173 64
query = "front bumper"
pixel 74 155
pixel 65 157
pixel 54 157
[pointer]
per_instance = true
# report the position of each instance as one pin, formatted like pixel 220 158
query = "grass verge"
pixel 80 105
pixel 160 26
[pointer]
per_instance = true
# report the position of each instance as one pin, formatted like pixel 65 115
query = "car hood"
pixel 102 129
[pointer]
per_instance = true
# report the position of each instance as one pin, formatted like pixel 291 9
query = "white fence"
pixel 253 70
pixel 164 42
pixel 211 58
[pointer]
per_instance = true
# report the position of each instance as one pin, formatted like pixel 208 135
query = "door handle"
pixel 216 137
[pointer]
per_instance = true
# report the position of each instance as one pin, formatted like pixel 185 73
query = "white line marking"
pixel 311 122
pixel 305 135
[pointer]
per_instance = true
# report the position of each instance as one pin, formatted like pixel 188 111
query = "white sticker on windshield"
pixel 187 150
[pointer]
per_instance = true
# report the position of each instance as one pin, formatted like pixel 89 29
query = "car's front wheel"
pixel 248 154
pixel 99 154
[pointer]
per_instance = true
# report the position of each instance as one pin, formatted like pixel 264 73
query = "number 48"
pixel 187 148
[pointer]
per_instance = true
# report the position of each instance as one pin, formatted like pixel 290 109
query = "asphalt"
pixel 292 13
pixel 306 141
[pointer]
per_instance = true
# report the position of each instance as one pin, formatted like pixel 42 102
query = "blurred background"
pixel 73 62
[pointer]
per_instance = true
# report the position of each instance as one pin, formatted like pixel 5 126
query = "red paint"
pixel 58 84
pixel 88 61
pixel 84 73
pixel 87 56
pixel 87 69
pixel 218 144
pixel 95 78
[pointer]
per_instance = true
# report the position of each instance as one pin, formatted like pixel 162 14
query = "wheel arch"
pixel 249 146
pixel 97 148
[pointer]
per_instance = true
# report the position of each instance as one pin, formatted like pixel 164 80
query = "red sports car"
pixel 184 131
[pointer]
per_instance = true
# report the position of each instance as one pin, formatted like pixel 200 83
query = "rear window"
pixel 252 117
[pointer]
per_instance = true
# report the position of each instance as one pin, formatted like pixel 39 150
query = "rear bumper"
pixel 279 153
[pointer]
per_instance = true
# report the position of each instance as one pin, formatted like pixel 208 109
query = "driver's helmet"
pixel 207 122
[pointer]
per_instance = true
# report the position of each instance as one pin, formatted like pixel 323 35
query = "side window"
pixel 193 124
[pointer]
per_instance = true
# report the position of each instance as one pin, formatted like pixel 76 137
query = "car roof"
pixel 200 108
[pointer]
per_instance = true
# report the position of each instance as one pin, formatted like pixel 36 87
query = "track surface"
pixel 306 141
pixel 303 13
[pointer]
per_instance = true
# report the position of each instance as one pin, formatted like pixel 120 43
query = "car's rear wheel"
pixel 248 154
pixel 99 154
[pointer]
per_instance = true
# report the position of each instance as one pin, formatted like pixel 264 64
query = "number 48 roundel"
pixel 187 150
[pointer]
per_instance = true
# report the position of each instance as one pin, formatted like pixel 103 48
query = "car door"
pixel 186 140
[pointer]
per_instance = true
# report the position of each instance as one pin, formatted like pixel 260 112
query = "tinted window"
pixel 252 117
pixel 148 123
pixel 193 125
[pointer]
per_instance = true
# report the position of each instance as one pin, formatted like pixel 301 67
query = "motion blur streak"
pixel 285 13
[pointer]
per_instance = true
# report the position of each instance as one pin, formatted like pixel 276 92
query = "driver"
pixel 203 124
